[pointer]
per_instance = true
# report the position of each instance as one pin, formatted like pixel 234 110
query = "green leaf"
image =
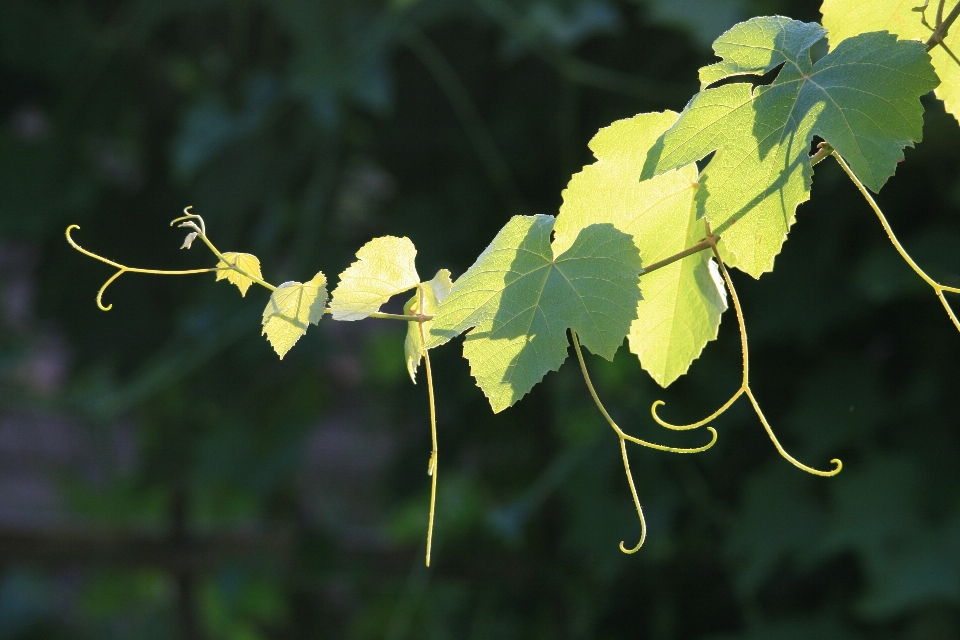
pixel 434 292
pixel 520 298
pixel 244 261
pixel 863 98
pixel 384 269
pixel 847 18
pixel 682 302
pixel 292 308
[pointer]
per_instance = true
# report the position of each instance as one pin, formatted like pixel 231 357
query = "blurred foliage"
pixel 302 128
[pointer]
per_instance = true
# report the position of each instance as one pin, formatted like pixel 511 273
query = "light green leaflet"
pixel 846 18
pixel 682 302
pixel 384 269
pixel 521 298
pixel 292 308
pixel 434 292
pixel 244 261
pixel 862 98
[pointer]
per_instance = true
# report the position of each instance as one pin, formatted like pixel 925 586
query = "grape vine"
pixel 579 278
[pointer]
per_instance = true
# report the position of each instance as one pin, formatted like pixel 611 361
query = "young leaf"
pixel 434 292
pixel 847 18
pixel 520 298
pixel 292 308
pixel 244 261
pixel 682 302
pixel 863 98
pixel 384 269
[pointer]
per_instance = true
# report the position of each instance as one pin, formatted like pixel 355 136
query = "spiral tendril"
pixel 693 425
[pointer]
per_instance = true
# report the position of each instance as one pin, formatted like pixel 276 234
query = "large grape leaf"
pixel 520 298
pixel 434 292
pixel 862 98
pixel 384 269
pixel 292 308
pixel 245 261
pixel 847 18
pixel 682 302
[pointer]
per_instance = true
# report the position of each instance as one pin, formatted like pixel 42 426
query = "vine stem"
pixel 413 317
pixel 432 465
pixel 689 251
pixel 201 232
pixel 623 446
pixel 744 385
pixel 937 287
pixel 943 27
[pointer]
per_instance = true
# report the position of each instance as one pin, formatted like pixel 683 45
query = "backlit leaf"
pixel 292 308
pixel 384 269
pixel 682 302
pixel 520 299
pixel 244 261
pixel 862 98
pixel 847 18
pixel 434 293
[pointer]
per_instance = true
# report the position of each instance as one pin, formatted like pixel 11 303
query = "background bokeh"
pixel 163 475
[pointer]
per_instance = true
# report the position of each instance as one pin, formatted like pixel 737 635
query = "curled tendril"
pixel 745 384
pixel 837 464
pixel 190 217
pixel 745 389
pixel 693 425
pixel 104 288
pixel 636 501
pixel 624 438
pixel 122 268
pixel 613 424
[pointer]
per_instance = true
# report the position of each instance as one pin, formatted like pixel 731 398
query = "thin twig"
pixel 697 248
pixel 943 27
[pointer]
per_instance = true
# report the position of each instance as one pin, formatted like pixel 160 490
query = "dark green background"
pixel 163 475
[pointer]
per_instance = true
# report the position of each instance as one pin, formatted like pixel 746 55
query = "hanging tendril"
pixel 434 460
pixel 636 501
pixel 624 438
pixel 744 384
